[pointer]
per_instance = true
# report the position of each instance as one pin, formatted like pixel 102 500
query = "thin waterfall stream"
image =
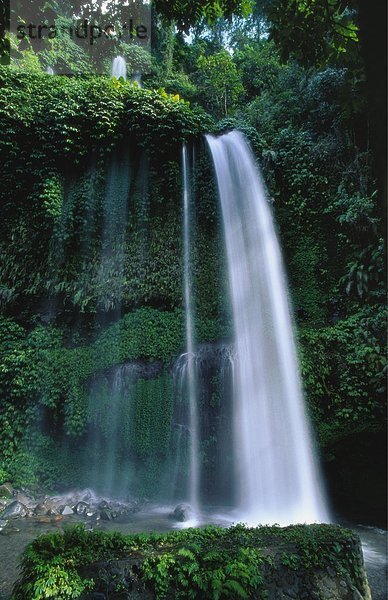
pixel 190 372
pixel 276 471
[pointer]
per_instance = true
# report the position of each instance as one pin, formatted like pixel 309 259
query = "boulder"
pixel 15 510
pixel 108 515
pixel 46 519
pixel 44 508
pixel 25 498
pixel 67 510
pixel 3 524
pixel 9 530
pixel 6 490
pixel 181 513
pixel 81 508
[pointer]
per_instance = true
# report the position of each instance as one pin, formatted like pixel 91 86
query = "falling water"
pixel 189 363
pixel 119 68
pixel 111 463
pixel 136 78
pixel 276 473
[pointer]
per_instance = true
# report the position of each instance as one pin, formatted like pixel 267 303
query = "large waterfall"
pixel 277 478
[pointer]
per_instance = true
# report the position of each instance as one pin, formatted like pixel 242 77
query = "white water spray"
pixel 277 477
pixel 119 68
pixel 189 363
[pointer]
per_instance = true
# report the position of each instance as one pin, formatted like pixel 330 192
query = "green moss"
pixel 45 379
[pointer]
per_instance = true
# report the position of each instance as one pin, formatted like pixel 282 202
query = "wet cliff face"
pixel 138 439
pixel 357 477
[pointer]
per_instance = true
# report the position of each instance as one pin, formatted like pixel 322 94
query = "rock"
pixel 49 520
pixel 3 523
pixel 9 531
pixel 66 510
pixel 24 499
pixel 52 512
pixel 89 497
pixel 103 505
pixel 108 515
pixel 46 507
pixel 6 490
pixel 15 510
pixel 81 508
pixel 181 513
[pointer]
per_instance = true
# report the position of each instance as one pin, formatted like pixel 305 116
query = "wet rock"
pixel 15 510
pixel 45 508
pixel 45 519
pixel 6 490
pixel 3 523
pixel 88 496
pixel 67 510
pixel 9 530
pixel 108 515
pixel 81 508
pixel 181 513
pixel 52 512
pixel 26 499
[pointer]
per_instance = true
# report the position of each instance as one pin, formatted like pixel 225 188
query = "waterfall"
pixel 111 462
pixel 212 365
pixel 137 78
pixel 277 476
pixel 189 363
pixel 119 68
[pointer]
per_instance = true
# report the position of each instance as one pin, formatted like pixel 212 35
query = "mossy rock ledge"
pixel 312 562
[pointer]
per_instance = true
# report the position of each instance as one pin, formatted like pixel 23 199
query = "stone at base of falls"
pixel 108 515
pixel 181 513
pixel 47 507
pixel 81 508
pixel 15 510
pixel 6 490
pixel 66 511
pixel 46 519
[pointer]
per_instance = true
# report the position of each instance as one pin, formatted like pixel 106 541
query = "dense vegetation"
pixel 71 310
pixel 197 563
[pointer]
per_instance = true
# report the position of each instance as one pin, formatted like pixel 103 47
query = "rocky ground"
pixel 15 504
pixel 24 516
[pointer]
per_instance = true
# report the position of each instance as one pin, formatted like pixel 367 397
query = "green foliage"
pixel 259 67
pixel 313 30
pixel 41 374
pixel 196 563
pixel 220 82
pixel 344 369
pixel 187 14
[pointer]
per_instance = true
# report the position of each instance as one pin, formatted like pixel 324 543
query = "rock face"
pixel 15 510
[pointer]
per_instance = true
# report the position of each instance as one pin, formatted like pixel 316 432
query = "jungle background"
pixel 304 81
